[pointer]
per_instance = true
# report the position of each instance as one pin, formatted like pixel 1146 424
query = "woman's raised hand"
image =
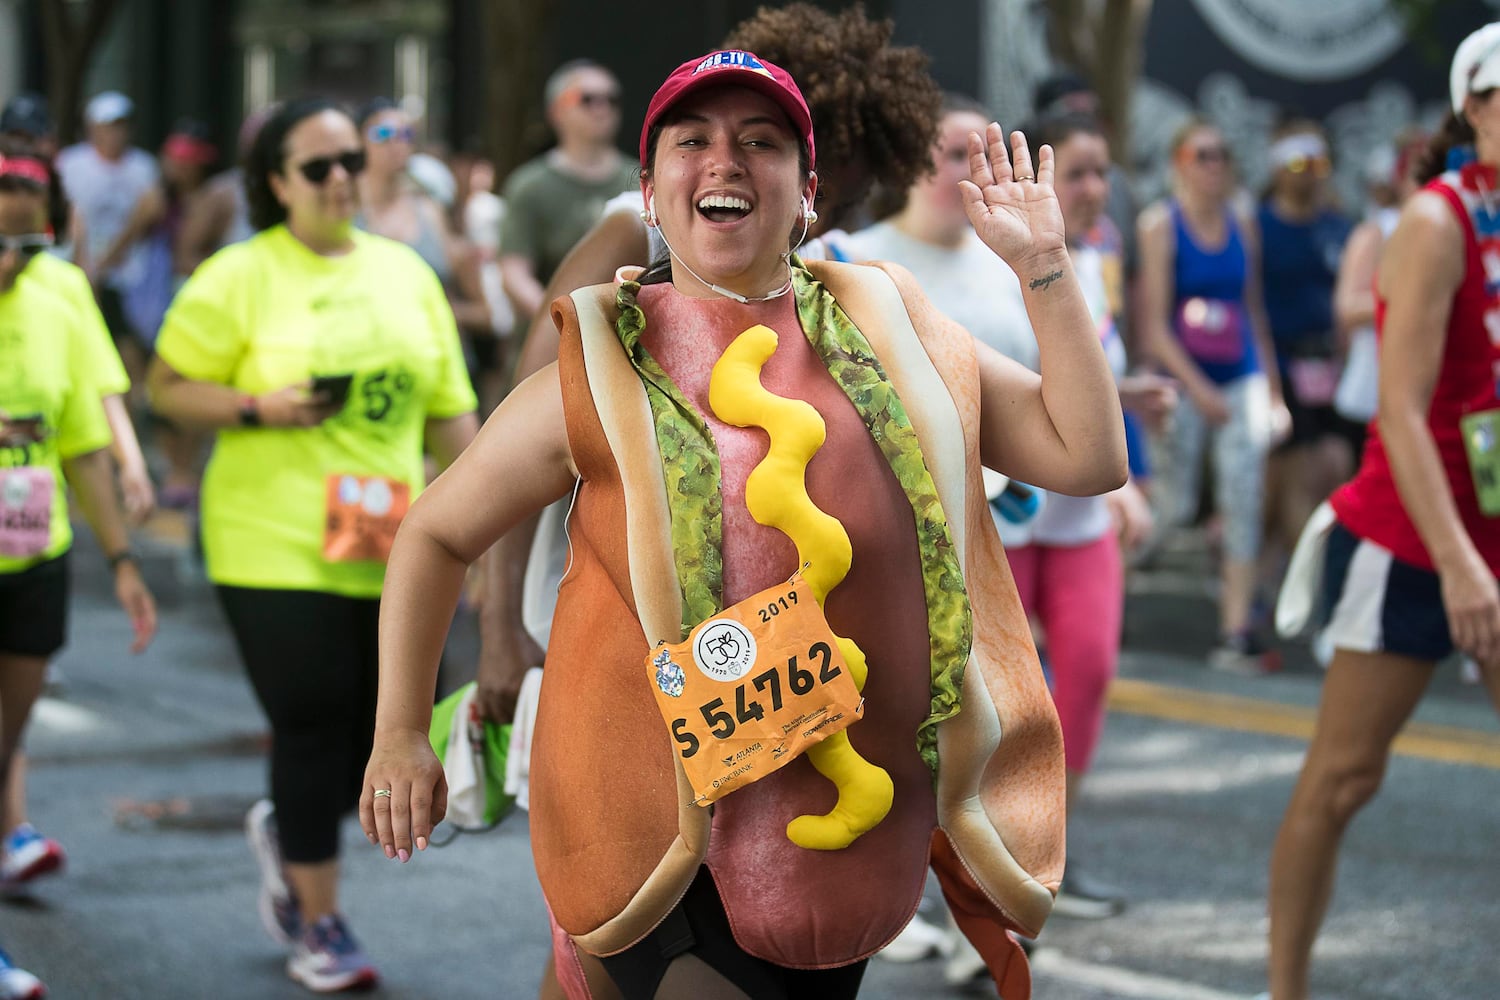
pixel 1014 213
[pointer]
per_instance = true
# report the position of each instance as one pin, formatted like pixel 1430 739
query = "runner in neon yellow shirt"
pixel 70 283
pixel 52 429
pixel 325 358
pixel 270 313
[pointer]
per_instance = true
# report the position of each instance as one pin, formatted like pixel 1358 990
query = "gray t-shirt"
pixel 547 210
pixel 105 193
pixel 979 291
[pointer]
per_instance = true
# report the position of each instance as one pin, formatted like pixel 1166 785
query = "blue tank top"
pixel 1299 267
pixel 1212 284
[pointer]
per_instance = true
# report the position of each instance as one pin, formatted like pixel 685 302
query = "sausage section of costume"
pixel 776 494
pixel 617 838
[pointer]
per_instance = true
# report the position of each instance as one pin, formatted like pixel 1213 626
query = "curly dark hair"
pixel 872 103
pixel 267 156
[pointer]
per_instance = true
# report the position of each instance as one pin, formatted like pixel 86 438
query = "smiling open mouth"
pixel 723 208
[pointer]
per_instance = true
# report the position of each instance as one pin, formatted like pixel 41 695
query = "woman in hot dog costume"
pixel 661 407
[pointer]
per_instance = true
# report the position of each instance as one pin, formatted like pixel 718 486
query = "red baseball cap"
pixel 732 67
pixel 189 149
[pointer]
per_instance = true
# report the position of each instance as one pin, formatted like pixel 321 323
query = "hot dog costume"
pixel 956 709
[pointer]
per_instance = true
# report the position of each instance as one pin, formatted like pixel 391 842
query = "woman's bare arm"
pixel 1255 308
pixel 447 437
pixel 1419 272
pixel 505 649
pixel 1354 292
pixel 518 464
pixel 1156 248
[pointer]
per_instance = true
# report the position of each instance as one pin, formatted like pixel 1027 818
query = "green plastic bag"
pixel 473 753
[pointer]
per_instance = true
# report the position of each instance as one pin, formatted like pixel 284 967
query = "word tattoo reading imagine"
pixel 1045 280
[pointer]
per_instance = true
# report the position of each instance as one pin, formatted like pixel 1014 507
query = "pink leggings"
pixel 1077 594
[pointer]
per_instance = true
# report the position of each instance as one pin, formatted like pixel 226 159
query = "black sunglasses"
pixel 589 100
pixel 317 169
pixel 28 245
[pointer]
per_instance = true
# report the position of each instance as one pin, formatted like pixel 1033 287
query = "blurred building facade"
pixel 1240 62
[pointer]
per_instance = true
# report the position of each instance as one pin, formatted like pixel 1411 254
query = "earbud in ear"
pixel 648 216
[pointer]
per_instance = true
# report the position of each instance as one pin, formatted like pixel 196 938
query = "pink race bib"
pixel 26 511
pixel 1212 330
pixel 1314 380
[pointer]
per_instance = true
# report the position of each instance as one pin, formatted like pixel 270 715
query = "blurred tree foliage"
pixel 71 30
pixel 512 80
pixel 1421 27
pixel 1103 40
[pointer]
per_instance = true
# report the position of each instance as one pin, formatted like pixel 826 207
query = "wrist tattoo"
pixel 1045 280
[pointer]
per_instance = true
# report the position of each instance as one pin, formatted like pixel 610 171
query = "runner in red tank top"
pixel 1411 565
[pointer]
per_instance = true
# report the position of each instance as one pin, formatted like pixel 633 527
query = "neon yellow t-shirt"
pixel 69 283
pixel 269 312
pixel 45 376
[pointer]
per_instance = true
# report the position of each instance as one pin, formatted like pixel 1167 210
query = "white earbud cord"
pixel 727 293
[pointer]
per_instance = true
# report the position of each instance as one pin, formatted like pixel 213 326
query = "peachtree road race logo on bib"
pixel 373 496
pixel 724 651
pixel 1323 40
pixel 14 491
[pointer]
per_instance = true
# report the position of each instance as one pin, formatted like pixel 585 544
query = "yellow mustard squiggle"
pixel 776 495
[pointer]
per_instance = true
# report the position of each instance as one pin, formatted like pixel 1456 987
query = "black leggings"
pixel 313 663
pixel 693 954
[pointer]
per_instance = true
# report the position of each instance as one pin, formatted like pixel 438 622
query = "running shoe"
pixel 917 940
pixel 327 959
pixel 1081 897
pixel 28 855
pixel 280 913
pixel 1243 653
pixel 964 964
pixel 18 984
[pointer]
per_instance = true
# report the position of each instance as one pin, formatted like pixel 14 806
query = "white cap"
pixel 110 106
pixel 1476 65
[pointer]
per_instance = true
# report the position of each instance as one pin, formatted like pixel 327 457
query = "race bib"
pixel 26 511
pixel 363 515
pixel 1481 434
pixel 1212 330
pixel 752 688
pixel 1314 380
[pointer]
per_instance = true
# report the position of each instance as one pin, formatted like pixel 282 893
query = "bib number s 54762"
pixel 752 688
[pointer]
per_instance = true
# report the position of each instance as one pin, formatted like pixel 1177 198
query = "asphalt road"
pixel 143 767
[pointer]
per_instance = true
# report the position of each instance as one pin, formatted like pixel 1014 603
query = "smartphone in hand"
pixel 23 429
pixel 334 389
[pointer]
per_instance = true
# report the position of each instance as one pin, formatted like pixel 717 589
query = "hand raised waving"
pixel 1014 213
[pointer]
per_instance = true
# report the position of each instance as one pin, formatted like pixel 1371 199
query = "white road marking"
pixel 1121 982
pixel 62 717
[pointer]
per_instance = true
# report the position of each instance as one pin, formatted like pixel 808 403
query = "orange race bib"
pixel 752 688
pixel 363 515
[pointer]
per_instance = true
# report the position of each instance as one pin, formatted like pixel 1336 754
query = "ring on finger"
pixel 382 793
pixel 1025 177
